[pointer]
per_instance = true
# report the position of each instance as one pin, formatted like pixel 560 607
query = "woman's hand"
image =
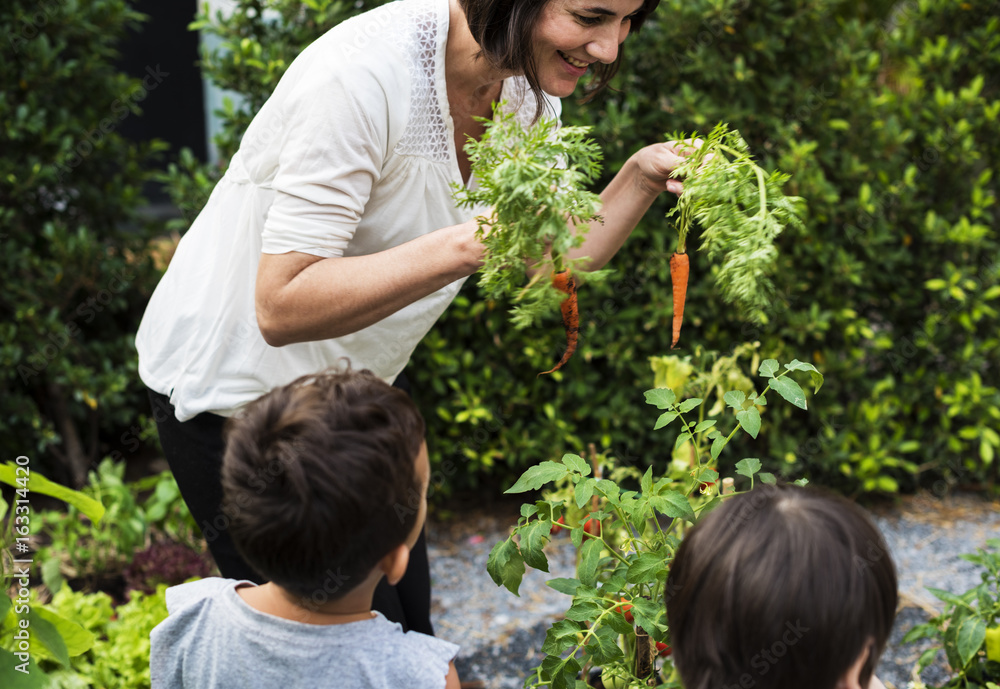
pixel 656 163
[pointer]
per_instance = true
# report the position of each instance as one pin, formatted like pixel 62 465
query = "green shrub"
pixel 75 264
pixel 884 118
pixel 93 555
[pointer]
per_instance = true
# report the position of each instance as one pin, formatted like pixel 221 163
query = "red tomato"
pixel 555 527
pixel 625 610
pixel 663 649
pixel 593 527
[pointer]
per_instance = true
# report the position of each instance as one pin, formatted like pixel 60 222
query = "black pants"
pixel 194 452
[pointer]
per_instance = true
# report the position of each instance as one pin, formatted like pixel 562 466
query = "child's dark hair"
pixel 780 588
pixel 319 480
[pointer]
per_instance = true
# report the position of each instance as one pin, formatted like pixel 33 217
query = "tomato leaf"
pixel 748 467
pixel 644 568
pixel 749 421
pixel 533 539
pixel 538 475
pixel 704 425
pixel 688 405
pixel 590 557
pixel 735 399
pixel 603 646
pixel 567 586
pixel 768 367
pixel 583 491
pixel 505 566
pixel 661 398
pixel 814 374
pixel 665 419
pixel 561 636
pixel 576 463
pixel 672 504
pixel 717 445
pixel 790 390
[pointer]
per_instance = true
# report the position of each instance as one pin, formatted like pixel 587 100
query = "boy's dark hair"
pixel 780 588
pixel 504 28
pixel 319 480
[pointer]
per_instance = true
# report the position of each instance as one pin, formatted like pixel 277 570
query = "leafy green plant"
pixel 25 622
pixel 625 561
pixel 533 182
pixel 968 629
pixel 119 656
pixel 92 553
pixel 74 259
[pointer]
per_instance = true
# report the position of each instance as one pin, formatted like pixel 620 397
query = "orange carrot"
pixel 679 270
pixel 566 283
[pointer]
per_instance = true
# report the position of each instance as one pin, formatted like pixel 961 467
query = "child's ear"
pixel 394 563
pixel 852 678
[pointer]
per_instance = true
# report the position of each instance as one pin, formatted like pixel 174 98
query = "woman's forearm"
pixel 303 298
pixel 623 203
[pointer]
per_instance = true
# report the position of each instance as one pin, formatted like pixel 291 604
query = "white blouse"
pixel 352 154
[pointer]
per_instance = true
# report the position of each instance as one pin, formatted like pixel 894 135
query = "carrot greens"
pixel 741 210
pixel 531 182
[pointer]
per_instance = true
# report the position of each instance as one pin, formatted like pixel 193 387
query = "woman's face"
pixel 573 34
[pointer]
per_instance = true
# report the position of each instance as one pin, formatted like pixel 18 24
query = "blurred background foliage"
pixel 887 116
pixel 76 257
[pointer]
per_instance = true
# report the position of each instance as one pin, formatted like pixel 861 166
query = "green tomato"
pixel 612 680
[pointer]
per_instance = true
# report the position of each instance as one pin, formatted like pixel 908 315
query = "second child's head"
pixel 781 588
pixel 322 479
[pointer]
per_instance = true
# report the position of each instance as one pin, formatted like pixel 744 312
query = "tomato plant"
pixel 617 611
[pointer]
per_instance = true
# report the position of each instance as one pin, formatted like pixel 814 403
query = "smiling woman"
pixel 334 234
pixel 528 37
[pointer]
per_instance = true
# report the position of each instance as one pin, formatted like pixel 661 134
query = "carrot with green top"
pixel 679 271
pixel 566 283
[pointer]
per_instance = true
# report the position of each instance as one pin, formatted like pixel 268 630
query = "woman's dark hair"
pixel 504 30
pixel 319 481
pixel 780 588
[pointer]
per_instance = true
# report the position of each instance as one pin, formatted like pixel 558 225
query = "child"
pixel 781 588
pixel 325 485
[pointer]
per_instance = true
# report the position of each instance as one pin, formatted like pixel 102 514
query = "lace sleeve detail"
pixel 425 135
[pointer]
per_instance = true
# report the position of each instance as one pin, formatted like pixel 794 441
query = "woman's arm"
pixel 302 298
pixel 627 198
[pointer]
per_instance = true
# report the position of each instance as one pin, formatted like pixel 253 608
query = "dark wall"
pixel 164 53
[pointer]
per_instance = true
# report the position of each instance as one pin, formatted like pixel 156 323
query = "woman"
pixel 334 234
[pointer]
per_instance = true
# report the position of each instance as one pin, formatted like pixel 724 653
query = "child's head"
pixel 780 588
pixel 324 477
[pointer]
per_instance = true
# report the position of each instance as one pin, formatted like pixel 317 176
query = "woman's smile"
pixel 574 34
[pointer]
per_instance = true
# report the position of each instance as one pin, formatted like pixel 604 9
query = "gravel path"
pixel 499 633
